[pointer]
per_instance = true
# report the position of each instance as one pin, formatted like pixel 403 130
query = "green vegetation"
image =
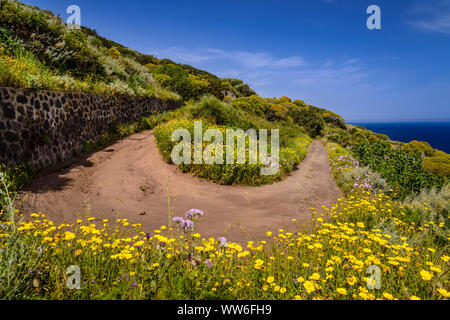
pixel 395 213
pixel 219 115
pixel 283 109
pixel 428 211
pixel 421 147
pixel 38 51
pixel 119 261
pixel 350 176
pixel 14 178
pixel 408 168
pixel 402 170
pixel 438 164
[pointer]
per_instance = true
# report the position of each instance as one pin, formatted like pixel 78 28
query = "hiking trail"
pixel 130 179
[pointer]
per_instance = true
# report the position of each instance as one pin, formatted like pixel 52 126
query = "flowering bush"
pixel 347 172
pixel 119 261
pixel 246 174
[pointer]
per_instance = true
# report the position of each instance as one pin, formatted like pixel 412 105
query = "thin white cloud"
pixel 242 58
pixel 440 24
pixel 276 76
pixel 433 16
pixel 343 83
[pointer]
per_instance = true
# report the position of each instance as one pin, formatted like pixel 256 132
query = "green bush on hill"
pixel 403 171
pixel 438 164
pixel 422 147
pixel 246 174
pixel 253 104
pixel 283 109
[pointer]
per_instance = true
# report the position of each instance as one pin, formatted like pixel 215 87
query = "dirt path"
pixel 130 177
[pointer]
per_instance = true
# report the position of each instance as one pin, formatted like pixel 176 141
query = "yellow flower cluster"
pixel 330 262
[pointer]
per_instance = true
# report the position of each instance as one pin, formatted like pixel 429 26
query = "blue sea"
pixel 435 133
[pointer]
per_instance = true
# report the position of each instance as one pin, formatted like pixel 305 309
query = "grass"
pixel 24 70
pixel 39 51
pixel 14 178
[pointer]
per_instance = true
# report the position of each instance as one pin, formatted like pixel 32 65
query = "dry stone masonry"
pixel 43 128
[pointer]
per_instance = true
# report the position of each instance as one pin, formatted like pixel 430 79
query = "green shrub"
pixel 284 99
pixel 114 53
pixel 333 119
pixel 177 80
pixel 253 105
pixel 277 112
pixel 230 174
pixel 402 170
pixel 309 119
pixel 433 204
pixel 11 44
pixel 422 147
pixel 218 112
pixel 45 54
pixel 439 164
pixel 240 89
pixel 300 103
pixel 359 137
pixel 362 177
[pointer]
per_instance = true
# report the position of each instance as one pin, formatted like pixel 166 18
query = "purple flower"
pixel 188 224
pixel 178 220
pixel 208 263
pixel 185 224
pixel 134 284
pixel 193 213
pixel 223 242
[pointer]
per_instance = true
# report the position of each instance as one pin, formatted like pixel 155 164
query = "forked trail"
pixel 130 178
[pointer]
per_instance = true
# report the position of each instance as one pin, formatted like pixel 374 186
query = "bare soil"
pixel 131 180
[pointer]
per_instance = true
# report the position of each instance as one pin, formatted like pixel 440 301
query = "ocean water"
pixel 435 133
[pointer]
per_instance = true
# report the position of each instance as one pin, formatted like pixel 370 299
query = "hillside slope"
pixel 39 51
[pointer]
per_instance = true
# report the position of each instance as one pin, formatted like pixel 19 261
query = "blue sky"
pixel 317 50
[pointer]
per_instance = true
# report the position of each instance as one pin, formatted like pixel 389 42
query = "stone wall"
pixel 43 128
